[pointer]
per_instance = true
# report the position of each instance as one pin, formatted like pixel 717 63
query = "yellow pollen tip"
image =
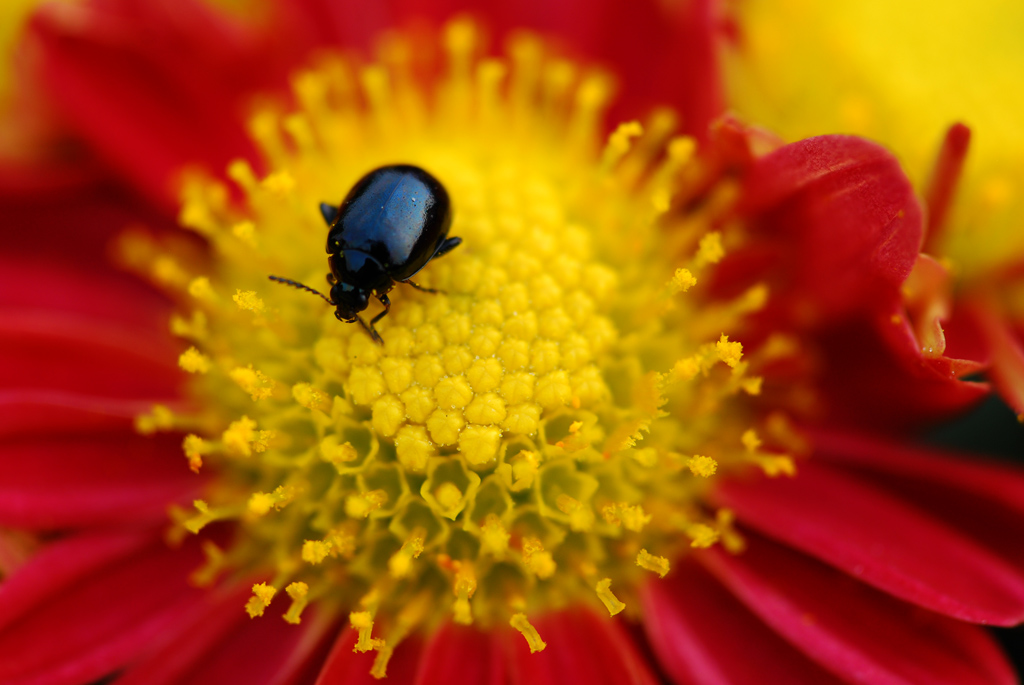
pixel 195 447
pixel 704 467
pixel 400 563
pixel 520 623
pixel 729 352
pixel 298 592
pixel 710 250
pixel 610 601
pixel 701 535
pixel 682 281
pixel 315 551
pixel 248 301
pixel 495 538
pixel 537 559
pixel 362 621
pixel 194 361
pixel 260 600
pixel 648 561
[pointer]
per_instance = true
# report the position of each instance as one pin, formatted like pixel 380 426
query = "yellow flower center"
pixel 538 433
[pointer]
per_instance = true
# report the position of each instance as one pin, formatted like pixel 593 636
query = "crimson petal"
pixel 880 540
pixel 96 625
pixel 858 633
pixel 73 481
pixel 344 665
pixel 981 497
pixel 847 216
pixel 61 564
pixel 26 412
pixel 581 648
pixel 463 655
pixel 232 648
pixel 124 75
pixel 701 634
pixel 45 350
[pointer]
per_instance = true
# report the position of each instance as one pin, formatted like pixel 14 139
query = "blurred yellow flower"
pixel 900 73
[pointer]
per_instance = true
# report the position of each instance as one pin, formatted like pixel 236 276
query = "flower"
pixel 961 313
pixel 583 409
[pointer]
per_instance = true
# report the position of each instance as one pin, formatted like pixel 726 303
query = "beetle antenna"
pixel 371 331
pixel 300 286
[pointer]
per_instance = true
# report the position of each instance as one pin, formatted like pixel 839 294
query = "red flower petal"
pixel 981 498
pixel 581 648
pixel 234 648
pixel 62 563
pixel 353 668
pixel 885 380
pixel 880 540
pixel 97 624
pixel 176 654
pixel 129 77
pixel 464 655
pixel 32 412
pixel 858 633
pixel 1007 370
pixel 701 634
pixel 945 178
pixel 844 220
pixel 75 481
pixel 47 350
pixel 110 299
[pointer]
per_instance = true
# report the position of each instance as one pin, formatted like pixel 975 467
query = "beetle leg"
pixel 331 280
pixel 371 331
pixel 387 308
pixel 447 246
pixel 420 287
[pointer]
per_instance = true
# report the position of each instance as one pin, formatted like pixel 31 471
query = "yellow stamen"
pixel 520 623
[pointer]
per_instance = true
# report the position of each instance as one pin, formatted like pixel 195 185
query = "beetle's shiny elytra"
pixel 392 222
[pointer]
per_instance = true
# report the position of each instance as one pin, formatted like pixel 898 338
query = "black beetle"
pixel 392 222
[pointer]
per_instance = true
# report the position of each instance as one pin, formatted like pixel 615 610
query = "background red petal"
pixel 461 654
pixel 344 665
pixel 844 222
pixel 879 539
pixel 97 624
pixel 858 633
pixel 581 647
pixel 702 634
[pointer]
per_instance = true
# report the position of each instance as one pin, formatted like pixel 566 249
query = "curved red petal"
pixel 74 481
pixel 464 655
pixel 101 622
pixel 880 540
pixel 581 647
pixel 884 380
pixel 62 563
pixel 1007 349
pixel 982 498
pixel 701 634
pixel 860 634
pixel 344 665
pixel 847 217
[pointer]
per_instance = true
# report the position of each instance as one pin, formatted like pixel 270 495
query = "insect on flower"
pixel 392 222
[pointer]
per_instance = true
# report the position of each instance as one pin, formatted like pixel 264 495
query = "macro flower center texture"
pixel 539 433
